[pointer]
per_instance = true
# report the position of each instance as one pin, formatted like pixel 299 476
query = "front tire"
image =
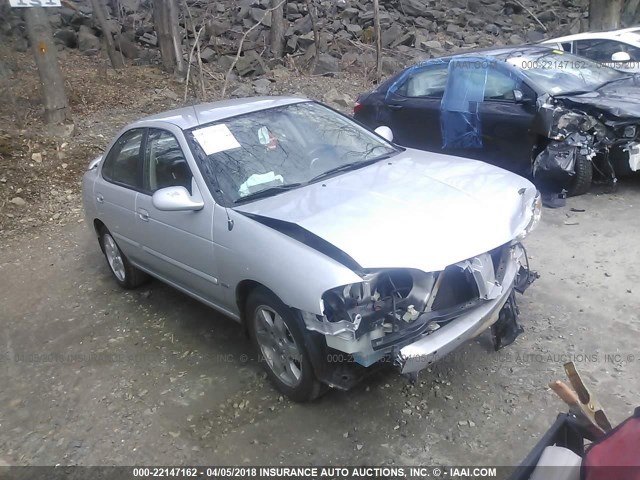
pixel 277 334
pixel 125 274
pixel 584 175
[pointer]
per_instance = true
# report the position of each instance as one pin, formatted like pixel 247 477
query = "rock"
pixel 492 29
pixel 149 39
pixel 406 40
pixel 431 45
pixel 87 40
pixel 547 16
pixel 390 65
pixel 516 40
pixel 36 157
pixel 391 34
pixel 301 26
pixel 424 23
pixel 216 27
pixel 55 19
pixel 67 37
pixel 208 54
pixel 453 28
pixel 414 8
pixel 292 43
pixel 242 91
pixel 125 43
pixel 250 63
pixel 534 36
pixel 354 28
pixel 335 98
pixel 327 65
pixel 262 86
pixel 19 201
pixel 257 14
pixel 169 94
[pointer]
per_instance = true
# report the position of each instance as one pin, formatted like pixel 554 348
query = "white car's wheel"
pixel 125 274
pixel 277 336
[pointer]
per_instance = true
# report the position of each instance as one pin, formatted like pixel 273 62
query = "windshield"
pixel 557 72
pixel 285 147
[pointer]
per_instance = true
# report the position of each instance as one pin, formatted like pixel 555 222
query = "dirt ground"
pixel 94 375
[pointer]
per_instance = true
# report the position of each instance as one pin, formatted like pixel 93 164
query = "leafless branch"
pixel 196 44
pixel 244 37
pixel 532 15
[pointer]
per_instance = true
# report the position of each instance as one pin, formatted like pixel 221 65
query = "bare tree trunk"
pixel 630 12
pixel 378 34
pixel 99 14
pixel 56 104
pixel 277 29
pixel 316 36
pixel 165 18
pixel 604 14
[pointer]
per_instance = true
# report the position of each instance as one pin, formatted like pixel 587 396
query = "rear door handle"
pixel 143 215
pixel 99 198
pixel 395 107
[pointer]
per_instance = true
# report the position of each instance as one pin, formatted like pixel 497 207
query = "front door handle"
pixel 143 215
pixel 99 198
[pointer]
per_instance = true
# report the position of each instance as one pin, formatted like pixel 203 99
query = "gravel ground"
pixel 94 375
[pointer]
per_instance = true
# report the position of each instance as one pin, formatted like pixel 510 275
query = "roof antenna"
pixel 195 112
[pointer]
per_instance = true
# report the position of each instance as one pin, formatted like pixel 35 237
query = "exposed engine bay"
pixel 579 134
pixel 393 309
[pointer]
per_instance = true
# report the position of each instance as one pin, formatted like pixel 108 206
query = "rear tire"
pixel 125 274
pixel 277 334
pixel 584 175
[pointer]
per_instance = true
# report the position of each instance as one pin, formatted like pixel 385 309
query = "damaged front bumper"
pixel 416 319
pixel 423 352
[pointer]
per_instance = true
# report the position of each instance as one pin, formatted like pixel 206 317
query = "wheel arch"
pixel 98 226
pixel 243 290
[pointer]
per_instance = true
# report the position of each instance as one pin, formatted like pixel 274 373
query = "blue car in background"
pixel 536 111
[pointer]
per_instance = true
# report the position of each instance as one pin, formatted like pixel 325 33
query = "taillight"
pixel 357 107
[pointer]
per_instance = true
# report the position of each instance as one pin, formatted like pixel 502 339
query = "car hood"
pixel 619 99
pixel 415 210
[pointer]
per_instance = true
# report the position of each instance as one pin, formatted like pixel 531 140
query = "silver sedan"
pixel 338 250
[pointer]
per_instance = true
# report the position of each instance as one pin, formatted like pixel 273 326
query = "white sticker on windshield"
pixel 216 138
pixel 556 89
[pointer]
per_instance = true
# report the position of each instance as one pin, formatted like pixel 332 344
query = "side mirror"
pixel 175 199
pixel 518 96
pixel 385 132
pixel 621 57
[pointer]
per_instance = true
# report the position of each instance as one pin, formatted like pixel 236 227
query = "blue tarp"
pixel 459 116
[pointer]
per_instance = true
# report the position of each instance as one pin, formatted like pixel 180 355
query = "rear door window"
pixel 123 164
pixel 427 82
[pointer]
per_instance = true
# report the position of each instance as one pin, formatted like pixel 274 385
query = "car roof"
pixel 629 35
pixel 189 117
pixel 502 53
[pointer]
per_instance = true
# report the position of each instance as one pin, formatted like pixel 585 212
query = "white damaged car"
pixel 337 249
